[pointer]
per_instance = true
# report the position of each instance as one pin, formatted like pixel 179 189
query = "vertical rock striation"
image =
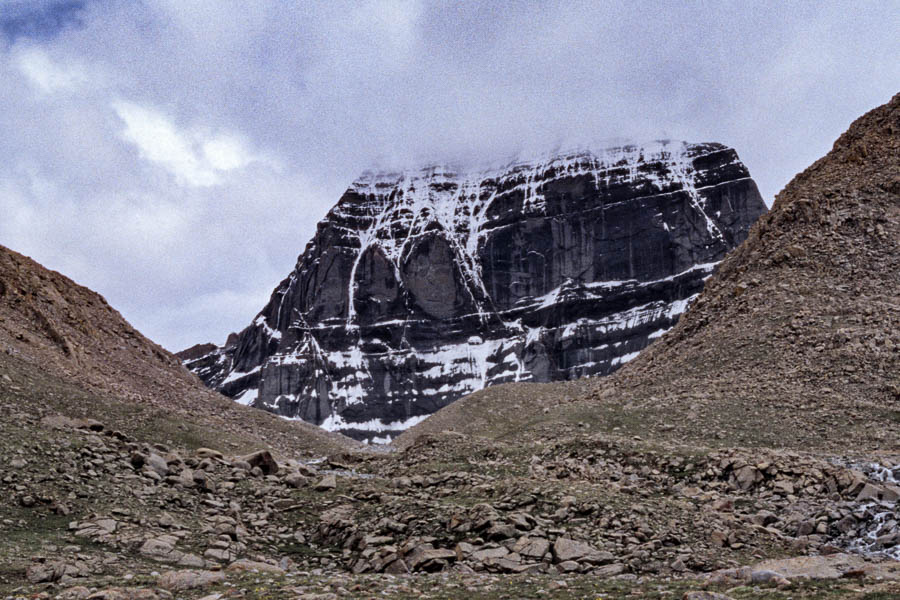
pixel 422 286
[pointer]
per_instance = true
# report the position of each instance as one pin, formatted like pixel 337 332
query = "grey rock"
pixel 263 460
pixel 610 570
pixel 45 572
pixel 746 477
pixel 568 566
pixel 187 580
pixel 295 480
pixel 191 561
pixel 327 483
pixel 884 493
pixel 220 554
pixel 158 464
pixel 251 565
pixel 565 549
pixel 106 525
pixel 532 547
pixel 398 567
pixel 161 548
pixel 78 592
pixel 422 555
pixel 770 577
pixel 501 531
pixel 482 555
pixel 203 481
pixel 186 478
pixel 509 565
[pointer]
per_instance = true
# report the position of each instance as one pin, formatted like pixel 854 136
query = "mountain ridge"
pixel 423 285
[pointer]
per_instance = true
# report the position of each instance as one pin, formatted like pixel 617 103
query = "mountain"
pixel 793 343
pixel 121 477
pixel 65 352
pixel 422 286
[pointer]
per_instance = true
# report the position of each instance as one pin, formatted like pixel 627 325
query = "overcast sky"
pixel 175 155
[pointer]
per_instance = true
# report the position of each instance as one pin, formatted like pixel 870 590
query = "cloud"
pixel 39 19
pixel 159 141
pixel 47 76
pixel 176 155
pixel 193 158
pixel 226 153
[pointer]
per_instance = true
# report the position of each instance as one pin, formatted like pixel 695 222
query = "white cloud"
pixel 193 158
pixel 226 153
pixel 160 141
pixel 47 76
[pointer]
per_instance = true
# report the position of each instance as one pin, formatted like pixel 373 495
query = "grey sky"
pixel 175 155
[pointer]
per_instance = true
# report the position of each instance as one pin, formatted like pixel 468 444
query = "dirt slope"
pixel 795 342
pixel 64 349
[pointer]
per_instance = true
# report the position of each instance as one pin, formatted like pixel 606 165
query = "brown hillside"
pixel 795 341
pixel 54 332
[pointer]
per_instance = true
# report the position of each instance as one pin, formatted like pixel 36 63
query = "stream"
pixel 880 520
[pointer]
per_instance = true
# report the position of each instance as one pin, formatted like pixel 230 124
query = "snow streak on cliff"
pixel 422 286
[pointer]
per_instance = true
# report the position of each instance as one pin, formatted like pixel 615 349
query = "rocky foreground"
pixel 94 513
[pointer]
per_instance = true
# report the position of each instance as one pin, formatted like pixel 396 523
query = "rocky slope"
pixel 63 344
pixel 420 287
pixel 798 333
pixel 91 513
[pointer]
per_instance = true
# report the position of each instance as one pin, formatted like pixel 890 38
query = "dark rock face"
pixel 196 351
pixel 421 287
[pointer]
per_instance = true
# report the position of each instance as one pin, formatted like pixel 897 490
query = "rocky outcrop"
pixel 420 287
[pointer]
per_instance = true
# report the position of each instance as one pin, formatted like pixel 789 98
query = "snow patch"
pixel 235 375
pixel 247 396
pixel 336 422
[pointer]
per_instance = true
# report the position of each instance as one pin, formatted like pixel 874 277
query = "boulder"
pixel 179 581
pixel 203 481
pixel 45 572
pixel 157 463
pixel 262 460
pixel 531 547
pixel 565 549
pixel 746 477
pixel 487 553
pixel 424 555
pixel 161 548
pixel 296 480
pixel 610 570
pixel 327 483
pixel 251 565
pixel 78 592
